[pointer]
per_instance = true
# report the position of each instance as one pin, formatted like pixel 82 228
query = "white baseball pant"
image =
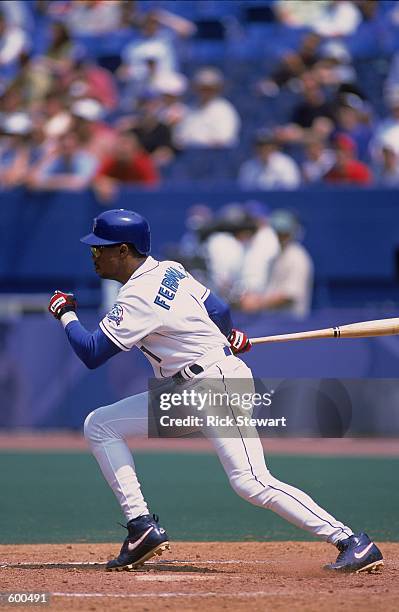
pixel 242 459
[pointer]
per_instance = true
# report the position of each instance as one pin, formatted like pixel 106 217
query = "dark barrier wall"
pixel 350 233
pixel 44 385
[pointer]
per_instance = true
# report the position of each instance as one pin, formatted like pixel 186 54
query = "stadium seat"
pixel 257 14
pixel 210 29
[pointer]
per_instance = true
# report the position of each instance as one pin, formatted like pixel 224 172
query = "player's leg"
pixel 243 461
pixel 105 430
pixel 241 455
pixel 244 464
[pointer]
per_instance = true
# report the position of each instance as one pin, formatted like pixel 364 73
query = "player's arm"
pixel 93 348
pixel 219 313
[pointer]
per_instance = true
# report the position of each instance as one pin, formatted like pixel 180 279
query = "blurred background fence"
pixel 352 234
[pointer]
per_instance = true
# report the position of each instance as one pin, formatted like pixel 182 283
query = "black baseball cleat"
pixel 144 540
pixel 357 554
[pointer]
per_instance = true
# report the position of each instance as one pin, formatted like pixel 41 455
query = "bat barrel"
pixel 368 329
pixel 364 329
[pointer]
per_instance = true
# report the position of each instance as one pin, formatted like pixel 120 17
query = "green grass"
pixel 62 497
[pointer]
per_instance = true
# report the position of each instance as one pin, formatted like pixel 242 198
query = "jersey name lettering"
pixel 169 286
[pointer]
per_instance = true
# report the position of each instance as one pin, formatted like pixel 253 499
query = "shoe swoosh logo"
pixel 364 551
pixel 132 545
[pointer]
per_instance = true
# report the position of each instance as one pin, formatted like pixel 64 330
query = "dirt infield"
pixel 281 576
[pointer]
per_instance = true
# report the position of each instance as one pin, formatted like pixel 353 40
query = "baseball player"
pixel 186 333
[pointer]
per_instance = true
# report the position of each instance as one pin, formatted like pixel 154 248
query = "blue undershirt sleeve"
pixel 219 312
pixel 93 349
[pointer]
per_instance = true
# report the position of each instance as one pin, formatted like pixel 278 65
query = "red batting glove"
pixel 239 341
pixel 60 303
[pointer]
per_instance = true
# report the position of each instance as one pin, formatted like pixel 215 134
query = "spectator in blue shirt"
pixel 69 167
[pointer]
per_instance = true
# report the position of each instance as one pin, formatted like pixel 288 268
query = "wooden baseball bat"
pixel 364 329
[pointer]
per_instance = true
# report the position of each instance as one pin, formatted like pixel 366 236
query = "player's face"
pixel 107 260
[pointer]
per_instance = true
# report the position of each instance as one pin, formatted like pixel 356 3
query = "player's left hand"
pixel 60 303
pixel 239 341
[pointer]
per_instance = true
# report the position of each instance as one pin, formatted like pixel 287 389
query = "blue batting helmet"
pixel 120 225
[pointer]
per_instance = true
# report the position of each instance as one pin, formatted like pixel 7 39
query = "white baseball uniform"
pixel 161 311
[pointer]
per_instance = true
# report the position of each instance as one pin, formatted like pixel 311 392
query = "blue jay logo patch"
pixel 115 314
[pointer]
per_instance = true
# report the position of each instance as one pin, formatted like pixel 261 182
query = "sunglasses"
pixel 97 250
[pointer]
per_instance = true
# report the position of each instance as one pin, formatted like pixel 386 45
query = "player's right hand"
pixel 239 341
pixel 60 303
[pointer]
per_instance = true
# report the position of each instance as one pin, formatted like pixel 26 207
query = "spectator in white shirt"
pixel 325 17
pixel 319 159
pixel 156 42
pixel 171 88
pixel 386 172
pixel 213 122
pixel 259 252
pixel 339 18
pixel 94 18
pixel 13 41
pixel 269 168
pixel 15 131
pixel 387 131
pixel 299 13
pixel 291 278
pixel 251 245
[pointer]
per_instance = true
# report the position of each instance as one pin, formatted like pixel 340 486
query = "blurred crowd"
pixel 268 269
pixel 70 121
